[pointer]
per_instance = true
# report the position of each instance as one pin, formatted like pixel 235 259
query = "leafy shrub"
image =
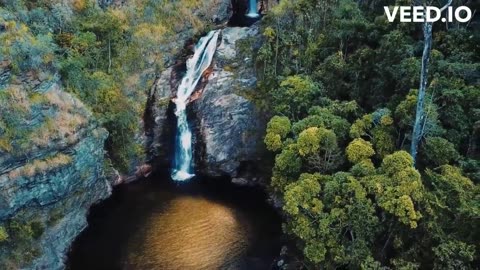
pixel 3 234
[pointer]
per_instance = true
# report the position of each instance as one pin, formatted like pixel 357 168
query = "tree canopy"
pixel 346 82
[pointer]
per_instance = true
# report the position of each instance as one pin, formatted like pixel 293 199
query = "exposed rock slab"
pixel 228 127
pixel 159 129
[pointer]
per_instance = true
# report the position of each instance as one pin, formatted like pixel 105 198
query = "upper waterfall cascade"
pixel 196 66
pixel 252 9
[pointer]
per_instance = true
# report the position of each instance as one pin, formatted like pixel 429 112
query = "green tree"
pixel 359 150
pixel 378 128
pixel 277 129
pixel 295 96
pixel 333 217
pixel 3 234
pixel 439 151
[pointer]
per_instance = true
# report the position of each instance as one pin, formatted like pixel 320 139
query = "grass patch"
pixel 40 166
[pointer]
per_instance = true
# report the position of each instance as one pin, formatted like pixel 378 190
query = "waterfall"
pixel 196 65
pixel 252 10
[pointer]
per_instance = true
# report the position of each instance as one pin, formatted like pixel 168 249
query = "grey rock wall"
pixel 229 128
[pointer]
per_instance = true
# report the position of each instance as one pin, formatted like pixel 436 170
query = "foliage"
pixel 105 56
pixel 440 151
pixel 3 234
pixel 23 50
pixel 277 130
pixel 20 246
pixel 345 81
pixel 301 93
pixel 359 150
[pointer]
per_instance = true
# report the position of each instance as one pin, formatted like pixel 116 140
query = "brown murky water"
pixel 191 233
pixel 153 226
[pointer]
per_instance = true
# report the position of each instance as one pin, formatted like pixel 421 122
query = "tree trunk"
pixel 417 133
pixel 420 114
pixel 474 142
pixel 109 56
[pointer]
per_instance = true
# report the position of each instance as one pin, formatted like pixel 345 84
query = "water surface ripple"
pixel 152 226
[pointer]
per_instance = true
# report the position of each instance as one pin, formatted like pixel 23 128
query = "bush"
pixel 3 234
pixel 358 150
pixel 439 151
pixel 25 51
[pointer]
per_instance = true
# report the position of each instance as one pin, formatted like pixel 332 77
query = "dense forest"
pixel 341 83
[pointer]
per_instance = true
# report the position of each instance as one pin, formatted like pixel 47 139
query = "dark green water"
pixel 154 224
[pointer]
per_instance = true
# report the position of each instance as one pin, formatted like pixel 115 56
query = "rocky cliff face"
pixel 51 172
pixel 228 127
pixel 159 119
pixel 228 130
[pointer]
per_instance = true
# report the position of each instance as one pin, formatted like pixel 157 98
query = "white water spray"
pixel 252 10
pixel 196 65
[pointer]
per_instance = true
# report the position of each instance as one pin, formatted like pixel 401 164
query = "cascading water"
pixel 252 10
pixel 196 66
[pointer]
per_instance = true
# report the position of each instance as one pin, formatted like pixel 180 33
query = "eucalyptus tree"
pixel 418 125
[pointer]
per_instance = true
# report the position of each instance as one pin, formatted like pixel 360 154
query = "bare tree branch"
pixel 446 6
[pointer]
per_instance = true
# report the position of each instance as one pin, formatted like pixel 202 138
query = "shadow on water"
pixel 201 224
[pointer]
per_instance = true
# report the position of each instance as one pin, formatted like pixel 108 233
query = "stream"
pixel 158 224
